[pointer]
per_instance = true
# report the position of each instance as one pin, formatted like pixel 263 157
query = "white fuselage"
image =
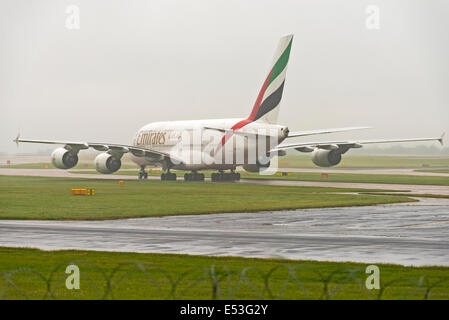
pixel 199 144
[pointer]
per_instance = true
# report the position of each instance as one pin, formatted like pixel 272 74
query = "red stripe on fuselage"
pixel 251 117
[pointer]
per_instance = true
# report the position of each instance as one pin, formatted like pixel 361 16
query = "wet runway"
pixel 408 234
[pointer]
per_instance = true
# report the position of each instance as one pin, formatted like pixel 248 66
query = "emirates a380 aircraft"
pixel 220 144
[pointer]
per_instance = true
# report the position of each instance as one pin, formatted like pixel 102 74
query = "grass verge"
pixel 49 198
pixel 434 170
pixel 316 177
pixel 418 195
pixel 35 274
pixel 360 178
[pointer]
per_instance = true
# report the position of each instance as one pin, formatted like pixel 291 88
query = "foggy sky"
pixel 135 62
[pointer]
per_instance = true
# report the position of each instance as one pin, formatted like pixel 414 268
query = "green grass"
pixel 359 178
pixel 49 198
pixel 418 195
pixel 434 170
pixel 173 276
pixel 45 165
pixel 316 176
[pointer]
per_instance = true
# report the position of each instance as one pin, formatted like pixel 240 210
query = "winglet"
pixel 441 138
pixel 17 140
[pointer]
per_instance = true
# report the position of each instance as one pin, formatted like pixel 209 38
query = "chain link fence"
pixel 148 281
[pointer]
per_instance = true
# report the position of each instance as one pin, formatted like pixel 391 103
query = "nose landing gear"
pixel 143 174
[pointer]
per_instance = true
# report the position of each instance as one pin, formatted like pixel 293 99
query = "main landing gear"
pixel 143 174
pixel 169 176
pixel 225 176
pixel 216 176
pixel 194 176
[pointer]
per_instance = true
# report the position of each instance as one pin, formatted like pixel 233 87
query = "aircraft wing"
pixel 333 145
pixel 114 149
pixel 322 131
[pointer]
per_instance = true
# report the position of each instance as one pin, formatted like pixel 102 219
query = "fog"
pixel 135 62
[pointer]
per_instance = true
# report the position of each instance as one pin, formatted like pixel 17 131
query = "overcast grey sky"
pixel 135 62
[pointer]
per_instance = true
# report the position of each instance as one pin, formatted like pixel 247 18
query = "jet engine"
pixel 326 158
pixel 107 163
pixel 64 159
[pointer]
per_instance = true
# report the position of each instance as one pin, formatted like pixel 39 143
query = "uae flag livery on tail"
pixel 266 107
pixel 269 98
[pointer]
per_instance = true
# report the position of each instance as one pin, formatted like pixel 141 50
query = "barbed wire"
pixel 214 282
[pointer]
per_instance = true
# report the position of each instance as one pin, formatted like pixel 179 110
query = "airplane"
pixel 219 144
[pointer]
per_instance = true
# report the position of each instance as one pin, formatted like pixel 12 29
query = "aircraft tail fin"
pixel 266 107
